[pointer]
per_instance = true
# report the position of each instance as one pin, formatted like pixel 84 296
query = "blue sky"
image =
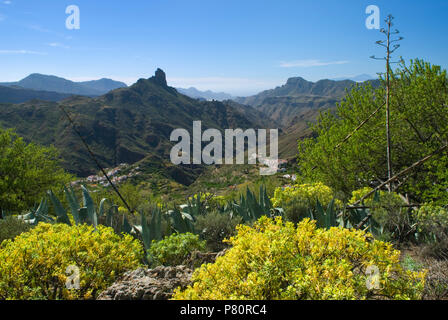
pixel 240 47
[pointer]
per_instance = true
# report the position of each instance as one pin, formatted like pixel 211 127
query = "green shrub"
pixel 27 172
pixel 396 220
pixel 10 227
pixel 276 260
pixel 34 265
pixel 297 209
pixel 215 227
pixel 432 221
pixel 175 249
pixel 411 264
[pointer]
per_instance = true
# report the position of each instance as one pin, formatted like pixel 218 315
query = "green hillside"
pixel 124 126
pixel 19 95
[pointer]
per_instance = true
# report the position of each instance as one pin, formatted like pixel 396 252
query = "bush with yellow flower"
pixel 297 200
pixel 276 260
pixel 38 264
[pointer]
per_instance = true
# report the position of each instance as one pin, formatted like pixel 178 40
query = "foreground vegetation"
pixel 330 234
pixel 275 260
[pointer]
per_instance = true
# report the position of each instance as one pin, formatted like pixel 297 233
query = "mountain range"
pixel 205 95
pixel 41 82
pixel 133 124
pixel 297 103
pixel 126 125
pixel 16 94
pixel 298 97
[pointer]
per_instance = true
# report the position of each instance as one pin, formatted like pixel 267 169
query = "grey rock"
pixel 148 284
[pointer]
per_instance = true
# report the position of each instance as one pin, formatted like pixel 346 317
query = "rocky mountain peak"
pixel 160 77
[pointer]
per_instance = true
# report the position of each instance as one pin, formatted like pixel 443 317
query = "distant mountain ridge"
pixel 299 93
pixel 130 124
pixel 206 95
pixel 18 95
pixel 127 125
pixel 297 87
pixel 41 82
pixel 297 103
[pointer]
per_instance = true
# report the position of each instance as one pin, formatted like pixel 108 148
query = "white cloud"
pixel 39 28
pixel 22 52
pixel 58 45
pixel 310 63
pixel 7 2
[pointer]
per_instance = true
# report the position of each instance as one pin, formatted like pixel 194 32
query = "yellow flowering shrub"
pixel 358 194
pixel 276 260
pixel 211 199
pixel 123 210
pixel 38 263
pixel 429 215
pixel 307 192
pixel 297 200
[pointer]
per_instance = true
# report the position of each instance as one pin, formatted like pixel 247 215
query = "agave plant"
pixel 326 218
pixel 181 221
pixel 196 206
pixel 150 231
pixel 355 216
pixel 39 214
pixel 85 213
pixel 249 208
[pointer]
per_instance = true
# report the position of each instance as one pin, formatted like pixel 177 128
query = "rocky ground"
pixel 148 284
pixel 157 283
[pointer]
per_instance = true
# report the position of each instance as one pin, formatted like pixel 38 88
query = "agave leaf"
pixel 156 224
pixel 113 211
pixel 320 215
pixel 265 201
pixel 73 203
pixel 61 213
pixel 138 228
pixel 42 213
pixel 330 216
pixel 88 203
pixel 83 215
pixel 146 234
pixel 42 210
pixel 102 205
pixel 180 221
pixel 311 214
pixel 242 212
pixel 28 216
pixel 126 227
